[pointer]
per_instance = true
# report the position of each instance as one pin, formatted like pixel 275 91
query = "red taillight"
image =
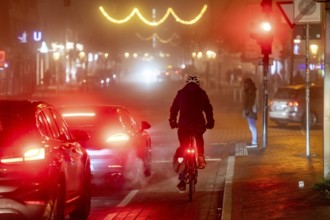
pixel 115 138
pixel 293 104
pixel 34 154
pixel 29 155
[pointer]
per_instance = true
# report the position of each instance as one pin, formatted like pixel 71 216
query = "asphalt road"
pixel 156 197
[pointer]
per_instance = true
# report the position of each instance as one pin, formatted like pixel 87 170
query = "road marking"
pixel 227 195
pixel 170 161
pixel 240 150
pixel 128 198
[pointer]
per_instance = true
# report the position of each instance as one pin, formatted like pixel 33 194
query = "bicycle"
pixel 190 165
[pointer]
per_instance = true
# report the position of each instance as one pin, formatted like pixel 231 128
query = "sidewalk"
pixel 265 183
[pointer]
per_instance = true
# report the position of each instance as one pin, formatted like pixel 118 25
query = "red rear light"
pixel 115 138
pixel 29 155
pixel 34 154
pixel 293 104
pixel 79 114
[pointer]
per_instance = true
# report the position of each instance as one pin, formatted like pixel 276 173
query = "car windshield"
pixel 88 119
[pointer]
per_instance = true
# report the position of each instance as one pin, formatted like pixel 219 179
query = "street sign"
pixel 306 11
pixel 286 8
pixel 2 58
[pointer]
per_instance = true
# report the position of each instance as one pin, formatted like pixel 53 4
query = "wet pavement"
pixel 263 183
pixel 277 182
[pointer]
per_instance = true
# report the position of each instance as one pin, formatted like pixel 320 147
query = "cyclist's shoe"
pixel 182 185
pixel 201 162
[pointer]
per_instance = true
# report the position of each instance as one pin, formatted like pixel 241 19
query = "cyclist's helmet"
pixel 193 79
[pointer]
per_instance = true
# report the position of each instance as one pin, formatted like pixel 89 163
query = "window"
pixel 43 125
pixel 128 120
pixel 62 127
pixel 53 126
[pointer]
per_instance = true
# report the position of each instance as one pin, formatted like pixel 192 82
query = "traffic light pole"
pixel 265 61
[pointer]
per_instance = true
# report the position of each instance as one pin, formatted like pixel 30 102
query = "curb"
pixel 227 195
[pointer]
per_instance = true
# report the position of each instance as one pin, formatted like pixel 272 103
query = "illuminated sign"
pixel 37 36
pixel 24 37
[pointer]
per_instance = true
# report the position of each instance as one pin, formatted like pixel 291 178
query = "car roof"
pixel 91 106
pixel 300 86
pixel 96 107
pixel 23 105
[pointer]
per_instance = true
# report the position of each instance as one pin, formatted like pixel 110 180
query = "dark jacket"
pixel 249 99
pixel 191 101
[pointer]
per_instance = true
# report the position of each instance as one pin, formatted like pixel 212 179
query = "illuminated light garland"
pixel 169 11
pixel 169 40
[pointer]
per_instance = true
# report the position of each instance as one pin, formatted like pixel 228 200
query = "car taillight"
pixel 115 138
pixel 293 104
pixel 29 155
pixel 34 154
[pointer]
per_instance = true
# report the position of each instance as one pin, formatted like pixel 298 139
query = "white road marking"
pixel 170 161
pixel 240 150
pixel 227 195
pixel 128 198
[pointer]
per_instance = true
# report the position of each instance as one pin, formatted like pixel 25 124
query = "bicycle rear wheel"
pixel 191 185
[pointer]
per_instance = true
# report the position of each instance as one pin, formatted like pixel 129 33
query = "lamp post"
pixel 263 34
pixel 211 55
pixel 56 57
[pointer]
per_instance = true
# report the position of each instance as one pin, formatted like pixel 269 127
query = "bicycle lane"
pixel 160 199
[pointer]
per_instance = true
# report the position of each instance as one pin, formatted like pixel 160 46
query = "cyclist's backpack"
pixel 178 164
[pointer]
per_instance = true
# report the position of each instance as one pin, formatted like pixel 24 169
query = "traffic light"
pixel 263 34
pixel 266 6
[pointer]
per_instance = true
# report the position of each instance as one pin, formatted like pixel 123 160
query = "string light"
pixel 169 11
pixel 155 35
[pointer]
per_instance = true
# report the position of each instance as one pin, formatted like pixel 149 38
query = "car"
pixel 119 148
pixel 289 106
pixel 171 74
pixel 44 172
pixel 91 83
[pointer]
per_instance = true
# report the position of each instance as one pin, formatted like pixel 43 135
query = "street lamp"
pixel 211 55
pixel 314 48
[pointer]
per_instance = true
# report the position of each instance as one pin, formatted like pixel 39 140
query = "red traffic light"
pixel 263 34
pixel 266 6
pixel 265 26
pixel 262 29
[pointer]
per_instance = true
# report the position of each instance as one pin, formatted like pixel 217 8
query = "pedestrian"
pixel 191 109
pixel 298 78
pixel 250 107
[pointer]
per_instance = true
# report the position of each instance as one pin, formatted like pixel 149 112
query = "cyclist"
pixel 192 105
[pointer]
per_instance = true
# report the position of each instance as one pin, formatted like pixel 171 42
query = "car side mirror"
pixel 80 135
pixel 145 125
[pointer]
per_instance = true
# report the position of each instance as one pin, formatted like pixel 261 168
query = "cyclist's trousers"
pixel 184 135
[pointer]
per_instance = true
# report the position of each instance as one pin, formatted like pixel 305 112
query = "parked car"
pixel 44 171
pixel 289 106
pixel 115 141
